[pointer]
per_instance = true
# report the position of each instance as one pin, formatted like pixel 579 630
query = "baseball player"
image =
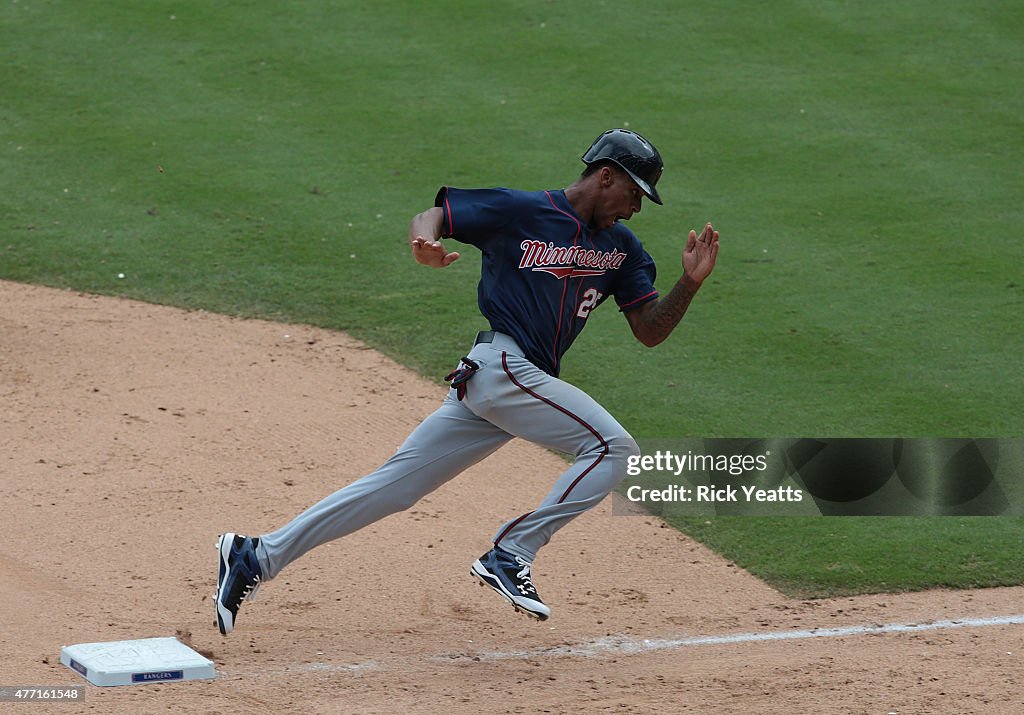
pixel 549 258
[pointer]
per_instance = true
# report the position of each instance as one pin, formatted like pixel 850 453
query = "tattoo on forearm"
pixel 670 310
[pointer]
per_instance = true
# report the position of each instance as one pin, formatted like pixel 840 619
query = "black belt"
pixel 499 341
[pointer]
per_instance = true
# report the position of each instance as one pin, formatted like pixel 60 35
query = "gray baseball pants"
pixel 507 397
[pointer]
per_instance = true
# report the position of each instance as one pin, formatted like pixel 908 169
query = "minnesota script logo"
pixel 568 261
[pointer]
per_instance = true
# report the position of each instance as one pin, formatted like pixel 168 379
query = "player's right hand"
pixel 432 253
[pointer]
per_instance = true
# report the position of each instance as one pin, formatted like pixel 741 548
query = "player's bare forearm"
pixel 653 322
pixel 425 239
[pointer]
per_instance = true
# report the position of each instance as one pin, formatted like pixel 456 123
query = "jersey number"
pixel 590 299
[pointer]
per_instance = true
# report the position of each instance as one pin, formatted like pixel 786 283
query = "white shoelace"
pixel 524 575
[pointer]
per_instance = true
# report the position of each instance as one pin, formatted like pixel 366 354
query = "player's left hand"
pixel 700 254
pixel 431 253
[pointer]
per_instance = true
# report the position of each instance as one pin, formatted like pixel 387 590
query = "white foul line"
pixel 620 644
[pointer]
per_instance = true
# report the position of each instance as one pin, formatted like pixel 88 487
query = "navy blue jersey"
pixel 543 269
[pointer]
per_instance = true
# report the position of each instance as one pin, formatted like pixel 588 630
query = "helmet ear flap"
pixel 633 154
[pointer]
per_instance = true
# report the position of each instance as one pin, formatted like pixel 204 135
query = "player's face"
pixel 622 199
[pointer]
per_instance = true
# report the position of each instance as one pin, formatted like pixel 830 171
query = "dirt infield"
pixel 133 434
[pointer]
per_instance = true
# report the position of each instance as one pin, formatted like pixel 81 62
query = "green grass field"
pixel 814 557
pixel 862 163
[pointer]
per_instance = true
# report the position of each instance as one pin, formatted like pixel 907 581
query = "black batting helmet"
pixel 631 152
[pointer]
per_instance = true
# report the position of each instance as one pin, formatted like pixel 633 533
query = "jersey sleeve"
pixel 635 284
pixel 475 216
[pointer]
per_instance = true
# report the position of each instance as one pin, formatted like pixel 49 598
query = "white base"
pixel 150 660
